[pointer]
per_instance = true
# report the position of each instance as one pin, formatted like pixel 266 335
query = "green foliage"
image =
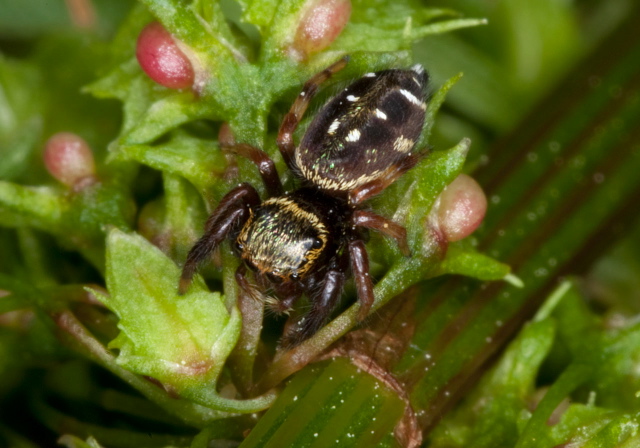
pixel 21 108
pixel 507 410
pixel 329 403
pixel 181 341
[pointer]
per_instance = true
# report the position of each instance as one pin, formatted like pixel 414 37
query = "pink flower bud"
pixel 321 23
pixel 70 160
pixel 461 208
pixel 161 58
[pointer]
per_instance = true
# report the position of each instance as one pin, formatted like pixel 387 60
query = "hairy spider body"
pixel 287 237
pixel 306 241
pixel 364 132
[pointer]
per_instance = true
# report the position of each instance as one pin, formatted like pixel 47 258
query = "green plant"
pixel 90 262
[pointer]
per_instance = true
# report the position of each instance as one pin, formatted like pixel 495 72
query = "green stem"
pixel 190 413
pixel 570 380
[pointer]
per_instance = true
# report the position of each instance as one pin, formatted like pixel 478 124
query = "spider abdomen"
pixel 364 130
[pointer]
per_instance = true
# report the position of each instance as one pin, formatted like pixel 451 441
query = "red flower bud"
pixel 461 208
pixel 69 159
pixel 161 58
pixel 321 23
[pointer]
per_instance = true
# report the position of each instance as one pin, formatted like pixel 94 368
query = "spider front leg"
pixel 262 160
pixel 232 210
pixel 249 289
pixel 292 119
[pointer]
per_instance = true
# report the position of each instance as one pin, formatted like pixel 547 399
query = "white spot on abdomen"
pixel 412 98
pixel 381 115
pixel 334 127
pixel 403 144
pixel 354 135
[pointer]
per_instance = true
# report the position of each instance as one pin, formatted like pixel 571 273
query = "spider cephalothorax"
pixel 307 240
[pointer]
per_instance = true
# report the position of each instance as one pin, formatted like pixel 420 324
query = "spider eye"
pixel 317 243
pixel 295 276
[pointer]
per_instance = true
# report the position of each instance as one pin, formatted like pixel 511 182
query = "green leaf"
pixel 435 103
pixel 394 26
pixel 498 411
pixel 536 430
pixel 39 207
pixel 580 422
pixel 77 219
pixel 334 403
pixel 182 341
pixel 258 13
pixel 593 427
pixel 466 261
pixel 197 160
pixel 149 110
pixel 166 114
pixel 116 83
pixel 491 415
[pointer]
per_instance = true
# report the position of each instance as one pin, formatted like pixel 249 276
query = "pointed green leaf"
pixel 182 341
pixel 463 260
pixel 500 399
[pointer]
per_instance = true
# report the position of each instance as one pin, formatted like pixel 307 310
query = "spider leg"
pixel 370 220
pixel 292 119
pixel 374 187
pixel 288 294
pixel 232 210
pixel 322 304
pixel 360 270
pixel 264 163
pixel 245 286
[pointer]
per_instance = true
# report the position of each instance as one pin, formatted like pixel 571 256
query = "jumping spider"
pixel 306 241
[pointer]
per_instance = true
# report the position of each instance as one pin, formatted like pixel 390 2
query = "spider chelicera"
pixel 306 241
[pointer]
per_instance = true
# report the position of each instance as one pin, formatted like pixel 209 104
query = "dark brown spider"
pixel 307 240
